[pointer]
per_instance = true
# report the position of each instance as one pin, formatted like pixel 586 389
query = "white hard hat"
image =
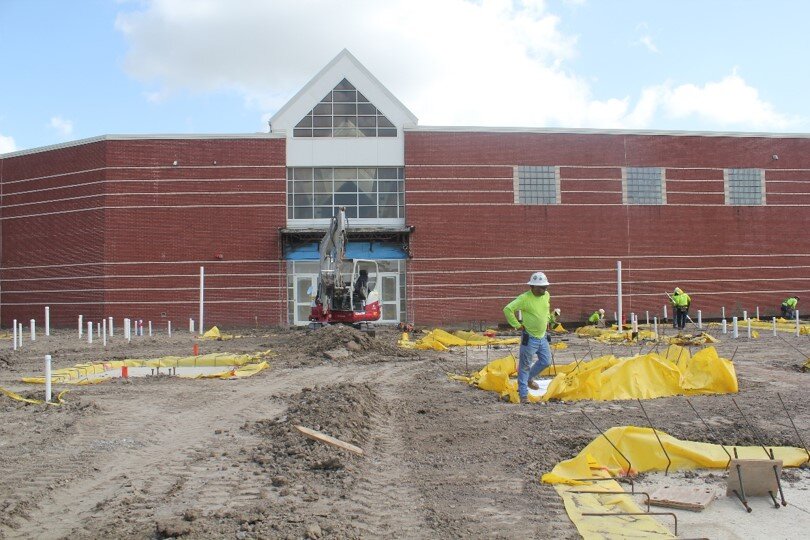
pixel 557 311
pixel 539 279
pixel 602 311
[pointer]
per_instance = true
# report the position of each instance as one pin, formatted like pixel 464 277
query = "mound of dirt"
pixel 343 337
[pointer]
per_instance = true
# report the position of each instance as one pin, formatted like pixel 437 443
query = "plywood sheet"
pixel 758 477
pixel 695 498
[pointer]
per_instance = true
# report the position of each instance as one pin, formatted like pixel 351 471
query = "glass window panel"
pixel 366 186
pixel 368 212
pixel 302 132
pixel 366 108
pixel 387 132
pixel 302 200
pixel 322 121
pixel 367 198
pixel 323 212
pixel 382 121
pixel 385 173
pixel 388 199
pixel 346 186
pixel 346 132
pixel 361 98
pixel 351 211
pixel 346 108
pixel 323 173
pixel 367 132
pixel 346 199
pixel 389 289
pixel 344 96
pixel 302 173
pixel 323 108
pixel 322 132
pixel 302 186
pixel 302 212
pixel 401 199
pixel 346 173
pixel 367 121
pixel 388 212
pixel 344 85
pixel 323 186
pixel 323 199
pixel 327 98
pixel 366 172
pixel 389 186
pixel 305 122
pixel 345 121
pixel 388 312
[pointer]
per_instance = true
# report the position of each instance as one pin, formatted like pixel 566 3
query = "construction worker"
pixel 534 307
pixel 597 318
pixel 789 307
pixel 680 307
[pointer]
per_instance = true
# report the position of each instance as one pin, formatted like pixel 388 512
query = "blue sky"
pixel 82 68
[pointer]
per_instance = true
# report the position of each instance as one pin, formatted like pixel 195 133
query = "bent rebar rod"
pixel 669 461
pixel 629 465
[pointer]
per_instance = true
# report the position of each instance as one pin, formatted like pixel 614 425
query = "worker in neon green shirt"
pixel 534 306
pixel 789 307
pixel 597 318
pixel 680 306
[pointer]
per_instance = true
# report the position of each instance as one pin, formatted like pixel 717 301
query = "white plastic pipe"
pixel 202 294
pixel 749 328
pixel 774 326
pixel 89 331
pixel 47 321
pixel 140 327
pixel 745 315
pixel 129 330
pixel 170 328
pixel 126 328
pixel 47 378
pixel 635 323
pixel 700 320
pixel 104 334
pixel 33 330
pixel 150 328
pixel 665 312
pixel 81 326
pixel 98 329
pixel 191 325
pixel 723 310
pixel 757 312
pixel 734 329
pixel 15 334
pixel 798 331
pixel 648 318
pixel 110 321
pixel 19 335
pixel 655 326
pixel 619 293
pixel 616 318
pixel 725 327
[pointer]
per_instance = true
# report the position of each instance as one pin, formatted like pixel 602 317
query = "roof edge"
pixel 596 131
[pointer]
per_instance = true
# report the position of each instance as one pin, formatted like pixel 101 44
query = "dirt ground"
pixel 161 457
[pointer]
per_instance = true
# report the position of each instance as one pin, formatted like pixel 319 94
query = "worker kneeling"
pixel 534 307
pixel 597 318
pixel 789 307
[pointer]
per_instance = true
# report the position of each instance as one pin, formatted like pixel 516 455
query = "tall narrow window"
pixel 745 187
pixel 345 112
pixel 645 185
pixel 536 184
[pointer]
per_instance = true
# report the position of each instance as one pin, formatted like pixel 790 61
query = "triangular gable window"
pixel 345 112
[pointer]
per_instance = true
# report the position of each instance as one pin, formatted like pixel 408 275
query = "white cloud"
pixel 7 144
pixel 452 62
pixel 62 126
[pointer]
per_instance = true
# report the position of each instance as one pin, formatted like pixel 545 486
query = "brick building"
pixel 457 218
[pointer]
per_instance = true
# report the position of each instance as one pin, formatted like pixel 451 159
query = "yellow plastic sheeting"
pixel 440 340
pixel 17 397
pixel 559 329
pixel 612 335
pixel 652 375
pixel 782 325
pixel 640 446
pixel 215 334
pixel 559 346
pixel 688 339
pixel 5 334
pixel 80 373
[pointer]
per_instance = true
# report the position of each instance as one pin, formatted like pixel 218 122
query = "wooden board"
pixel 324 438
pixel 695 498
pixel 757 476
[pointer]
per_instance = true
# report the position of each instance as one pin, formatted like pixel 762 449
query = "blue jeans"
pixel 530 346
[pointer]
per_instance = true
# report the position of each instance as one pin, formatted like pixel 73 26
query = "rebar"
pixel 711 430
pixel 655 432
pixel 753 431
pixel 794 426
pixel 629 465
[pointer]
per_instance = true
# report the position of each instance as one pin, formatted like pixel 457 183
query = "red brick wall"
pixel 138 252
pixel 474 249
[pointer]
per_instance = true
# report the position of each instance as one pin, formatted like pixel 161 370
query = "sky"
pixel 74 69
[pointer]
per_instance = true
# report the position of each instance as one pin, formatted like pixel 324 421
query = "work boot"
pixel 533 384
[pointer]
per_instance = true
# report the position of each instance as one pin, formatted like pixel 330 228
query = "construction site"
pixel 315 332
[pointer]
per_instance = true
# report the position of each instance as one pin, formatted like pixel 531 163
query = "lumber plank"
pixel 324 438
pixel 694 498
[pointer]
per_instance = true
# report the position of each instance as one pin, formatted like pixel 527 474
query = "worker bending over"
pixel 534 306
pixel 597 318
pixel 789 307
pixel 680 308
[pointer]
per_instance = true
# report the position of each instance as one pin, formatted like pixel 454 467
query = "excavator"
pixel 353 302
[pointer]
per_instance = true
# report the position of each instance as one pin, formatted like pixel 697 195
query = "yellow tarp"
pixel 17 397
pixel 700 339
pixel 248 364
pixel 675 372
pixel 782 325
pixel 440 340
pixel 215 334
pixel 640 446
pixel 612 335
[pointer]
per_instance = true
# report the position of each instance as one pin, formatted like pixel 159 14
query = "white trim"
pixel 594 131
pixel 135 207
